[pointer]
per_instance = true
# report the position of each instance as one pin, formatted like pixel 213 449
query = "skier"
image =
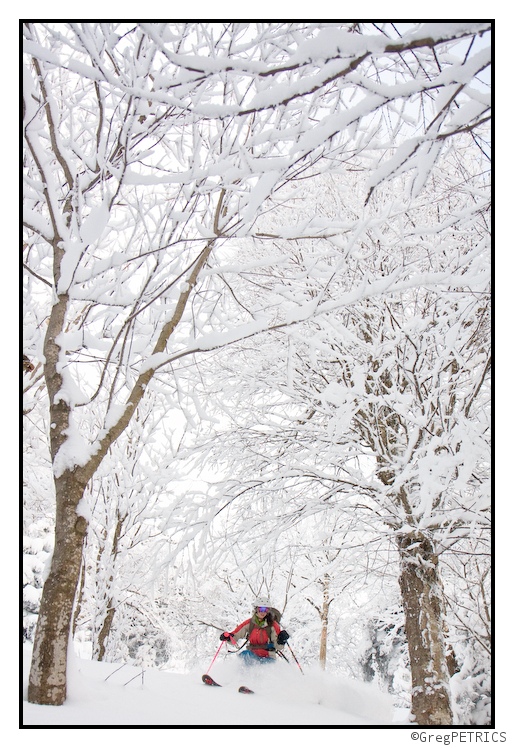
pixel 262 632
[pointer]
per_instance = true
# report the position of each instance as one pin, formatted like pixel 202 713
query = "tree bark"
pixel 47 682
pixel 422 600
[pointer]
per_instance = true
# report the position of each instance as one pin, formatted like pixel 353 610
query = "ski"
pixel 209 681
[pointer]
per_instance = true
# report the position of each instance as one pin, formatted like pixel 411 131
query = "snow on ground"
pixel 283 696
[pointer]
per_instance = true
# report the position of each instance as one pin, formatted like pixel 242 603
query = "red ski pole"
pixel 212 663
pixel 295 659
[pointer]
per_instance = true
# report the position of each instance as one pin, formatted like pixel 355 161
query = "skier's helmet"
pixel 261 602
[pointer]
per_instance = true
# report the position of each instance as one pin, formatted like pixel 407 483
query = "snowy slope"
pixel 283 697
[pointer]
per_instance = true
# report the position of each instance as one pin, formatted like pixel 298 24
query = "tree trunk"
pixel 99 641
pixel 47 682
pixel 99 652
pixel 324 623
pixel 422 601
pixel 78 602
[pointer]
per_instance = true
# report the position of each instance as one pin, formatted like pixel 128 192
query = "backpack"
pixel 276 615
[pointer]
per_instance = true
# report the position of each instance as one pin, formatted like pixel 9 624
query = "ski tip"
pixel 209 681
pixel 244 689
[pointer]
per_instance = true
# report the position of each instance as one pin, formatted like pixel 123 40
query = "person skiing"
pixel 262 632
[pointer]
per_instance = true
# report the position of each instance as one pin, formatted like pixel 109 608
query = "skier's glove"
pixel 225 637
pixel 282 637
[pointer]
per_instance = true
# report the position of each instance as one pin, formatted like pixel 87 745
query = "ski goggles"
pixel 262 610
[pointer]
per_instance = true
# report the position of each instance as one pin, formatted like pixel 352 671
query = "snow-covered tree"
pixel 386 657
pixel 382 409
pixel 37 549
pixel 467 593
pixel 148 148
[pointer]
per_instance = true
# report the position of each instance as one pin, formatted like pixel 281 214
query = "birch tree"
pixel 147 148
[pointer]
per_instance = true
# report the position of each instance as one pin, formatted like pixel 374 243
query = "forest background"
pixel 105 592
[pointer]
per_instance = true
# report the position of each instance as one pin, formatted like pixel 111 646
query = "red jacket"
pixel 259 636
